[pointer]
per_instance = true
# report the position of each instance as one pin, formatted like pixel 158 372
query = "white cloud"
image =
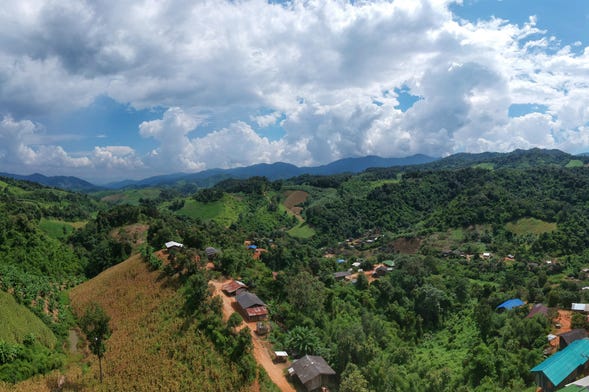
pixel 318 66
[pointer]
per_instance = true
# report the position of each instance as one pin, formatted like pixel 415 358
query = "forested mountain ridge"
pixel 461 239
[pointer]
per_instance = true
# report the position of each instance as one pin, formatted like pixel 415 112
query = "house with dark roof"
pixel 312 372
pixel 538 309
pixel 563 366
pixel 341 275
pixel 251 307
pixel 566 338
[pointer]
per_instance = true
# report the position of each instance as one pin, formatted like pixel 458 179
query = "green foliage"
pixel 17 323
pixel 95 325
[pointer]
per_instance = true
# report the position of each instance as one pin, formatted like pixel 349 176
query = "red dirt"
pixel 564 319
pixel 262 348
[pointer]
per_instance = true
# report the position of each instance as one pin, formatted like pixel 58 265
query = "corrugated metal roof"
pixel 561 364
pixel 171 244
pixel 233 286
pixel 255 311
pixel 581 307
pixel 572 335
pixel 311 366
pixel 247 300
pixel 511 303
pixel 583 382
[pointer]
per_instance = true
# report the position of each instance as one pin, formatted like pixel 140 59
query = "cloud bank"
pixel 306 82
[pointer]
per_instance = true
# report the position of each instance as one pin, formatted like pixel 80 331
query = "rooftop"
pixel 561 364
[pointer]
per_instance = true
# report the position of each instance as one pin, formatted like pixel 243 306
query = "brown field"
pixel 294 198
pixel 135 234
pixel 407 245
pixel 152 348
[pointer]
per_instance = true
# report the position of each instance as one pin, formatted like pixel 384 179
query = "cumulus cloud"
pixel 325 69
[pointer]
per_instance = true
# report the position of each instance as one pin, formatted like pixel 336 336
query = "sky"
pixel 107 90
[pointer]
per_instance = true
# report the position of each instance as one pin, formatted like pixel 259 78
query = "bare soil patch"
pixel 293 199
pixel 407 245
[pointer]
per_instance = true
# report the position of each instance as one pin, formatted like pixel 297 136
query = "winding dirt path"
pixel 262 348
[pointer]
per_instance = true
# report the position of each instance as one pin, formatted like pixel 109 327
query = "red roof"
pixel 256 311
pixel 233 286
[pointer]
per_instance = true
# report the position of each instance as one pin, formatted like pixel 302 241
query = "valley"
pixel 394 276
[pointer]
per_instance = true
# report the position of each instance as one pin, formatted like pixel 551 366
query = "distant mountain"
pixel 515 159
pixel 62 182
pixel 273 171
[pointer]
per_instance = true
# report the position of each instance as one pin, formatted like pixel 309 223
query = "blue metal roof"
pixel 511 303
pixel 560 365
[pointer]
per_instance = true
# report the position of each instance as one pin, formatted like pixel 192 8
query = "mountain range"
pixel 281 170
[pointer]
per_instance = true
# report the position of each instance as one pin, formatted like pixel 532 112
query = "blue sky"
pixel 110 90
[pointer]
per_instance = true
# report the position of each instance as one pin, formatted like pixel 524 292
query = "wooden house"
pixel 251 307
pixel 312 372
pixel 566 338
pixel 234 287
pixel 562 367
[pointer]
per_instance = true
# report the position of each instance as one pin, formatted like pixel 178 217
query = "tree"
pixel 353 380
pixel 94 324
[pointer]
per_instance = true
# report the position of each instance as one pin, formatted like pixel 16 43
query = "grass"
pixel 17 321
pixel 484 165
pixel 225 211
pixel 130 196
pixel 574 163
pixel 302 230
pixel 57 228
pixel 530 226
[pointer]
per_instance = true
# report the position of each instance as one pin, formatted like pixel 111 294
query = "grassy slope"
pixel 225 211
pixel 530 226
pixel 16 321
pixel 152 346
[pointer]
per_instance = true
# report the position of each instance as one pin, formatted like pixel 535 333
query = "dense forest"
pixel 461 236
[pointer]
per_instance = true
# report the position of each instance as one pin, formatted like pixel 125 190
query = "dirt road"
pixel 262 348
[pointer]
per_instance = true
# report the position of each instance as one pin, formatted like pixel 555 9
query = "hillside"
pixel 399 268
pixel 152 347
pixel 17 322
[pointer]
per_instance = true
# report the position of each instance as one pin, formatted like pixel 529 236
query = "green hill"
pixel 17 323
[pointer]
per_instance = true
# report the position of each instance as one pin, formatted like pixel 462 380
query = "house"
pixel 380 271
pixel 566 338
pixel 389 263
pixel 510 304
pixel 251 307
pixel 562 367
pixel 577 386
pixel 173 245
pixel 234 287
pixel 211 253
pixel 280 356
pixel 341 275
pixel 580 307
pixel 538 309
pixel 262 328
pixel 312 372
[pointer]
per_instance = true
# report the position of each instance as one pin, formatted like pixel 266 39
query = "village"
pixel 565 368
